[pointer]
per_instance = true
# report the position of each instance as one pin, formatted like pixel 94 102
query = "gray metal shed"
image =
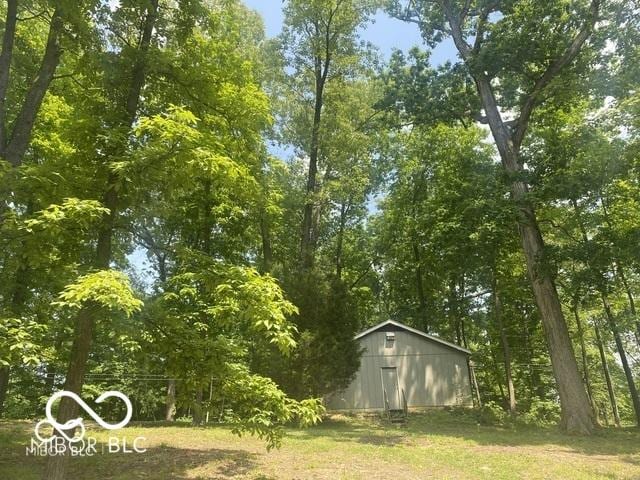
pixel 404 363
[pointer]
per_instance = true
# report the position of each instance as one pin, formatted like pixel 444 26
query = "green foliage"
pixel 20 341
pixel 257 406
pixel 411 211
pixel 215 297
pixel 106 288
pixel 73 212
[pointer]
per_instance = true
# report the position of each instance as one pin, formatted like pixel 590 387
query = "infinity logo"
pixel 78 422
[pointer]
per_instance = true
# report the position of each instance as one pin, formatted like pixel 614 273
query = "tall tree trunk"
pixel 170 402
pixel 577 415
pixel 4 387
pixel 583 352
pixel 471 368
pixel 18 141
pixel 422 298
pixel 197 408
pixel 309 222
pixel 496 371
pixel 506 351
pixel 344 209
pixel 267 251
pixel 607 377
pixel 85 320
pixel 613 325
pixel 6 55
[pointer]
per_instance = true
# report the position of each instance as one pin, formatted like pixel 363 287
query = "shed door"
pixel 390 389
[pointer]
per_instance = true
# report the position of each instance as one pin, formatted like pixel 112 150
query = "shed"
pixel 404 363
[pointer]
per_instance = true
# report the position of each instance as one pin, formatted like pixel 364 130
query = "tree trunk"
pixel 5 67
pixel 506 351
pixel 577 416
pixel 197 408
pixel 309 222
pixel 56 465
pixel 83 330
pixel 607 377
pixel 267 251
pixel 583 352
pixel 422 298
pixel 496 371
pixel 170 402
pixel 633 391
pixel 340 239
pixel 4 387
pixel 23 125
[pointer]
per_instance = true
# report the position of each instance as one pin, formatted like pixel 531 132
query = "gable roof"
pixel 412 330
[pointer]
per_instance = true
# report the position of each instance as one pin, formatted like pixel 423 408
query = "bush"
pixel 18 406
pixel 491 413
pixel 541 413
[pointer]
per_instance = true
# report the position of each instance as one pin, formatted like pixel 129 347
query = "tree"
pixel 489 58
pixel 320 37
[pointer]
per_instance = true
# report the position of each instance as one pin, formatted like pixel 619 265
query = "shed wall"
pixel 431 374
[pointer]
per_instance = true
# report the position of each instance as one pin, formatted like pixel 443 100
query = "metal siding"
pixel 431 374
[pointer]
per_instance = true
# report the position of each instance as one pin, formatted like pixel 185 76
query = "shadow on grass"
pixel 157 463
pixel 167 463
pixel 623 442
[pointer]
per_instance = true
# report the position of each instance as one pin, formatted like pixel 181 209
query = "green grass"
pixel 435 445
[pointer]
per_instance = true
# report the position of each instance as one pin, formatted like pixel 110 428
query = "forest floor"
pixel 435 445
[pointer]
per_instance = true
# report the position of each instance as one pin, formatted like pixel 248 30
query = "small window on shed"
pixel 390 338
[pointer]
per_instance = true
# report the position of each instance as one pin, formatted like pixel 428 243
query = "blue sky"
pixel 385 32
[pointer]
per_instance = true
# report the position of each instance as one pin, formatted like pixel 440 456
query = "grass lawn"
pixel 433 445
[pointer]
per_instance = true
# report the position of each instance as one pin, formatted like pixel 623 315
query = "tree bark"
pixel 6 55
pixel 23 125
pixel 4 387
pixel 422 298
pixel 583 352
pixel 267 251
pixel 633 391
pixel 496 371
pixel 506 351
pixel 170 402
pixel 607 377
pixel 577 415
pixel 83 330
pixel 344 209
pixel 197 408
pixel 310 220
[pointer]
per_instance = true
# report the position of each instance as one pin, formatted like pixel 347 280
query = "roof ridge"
pixel 412 330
